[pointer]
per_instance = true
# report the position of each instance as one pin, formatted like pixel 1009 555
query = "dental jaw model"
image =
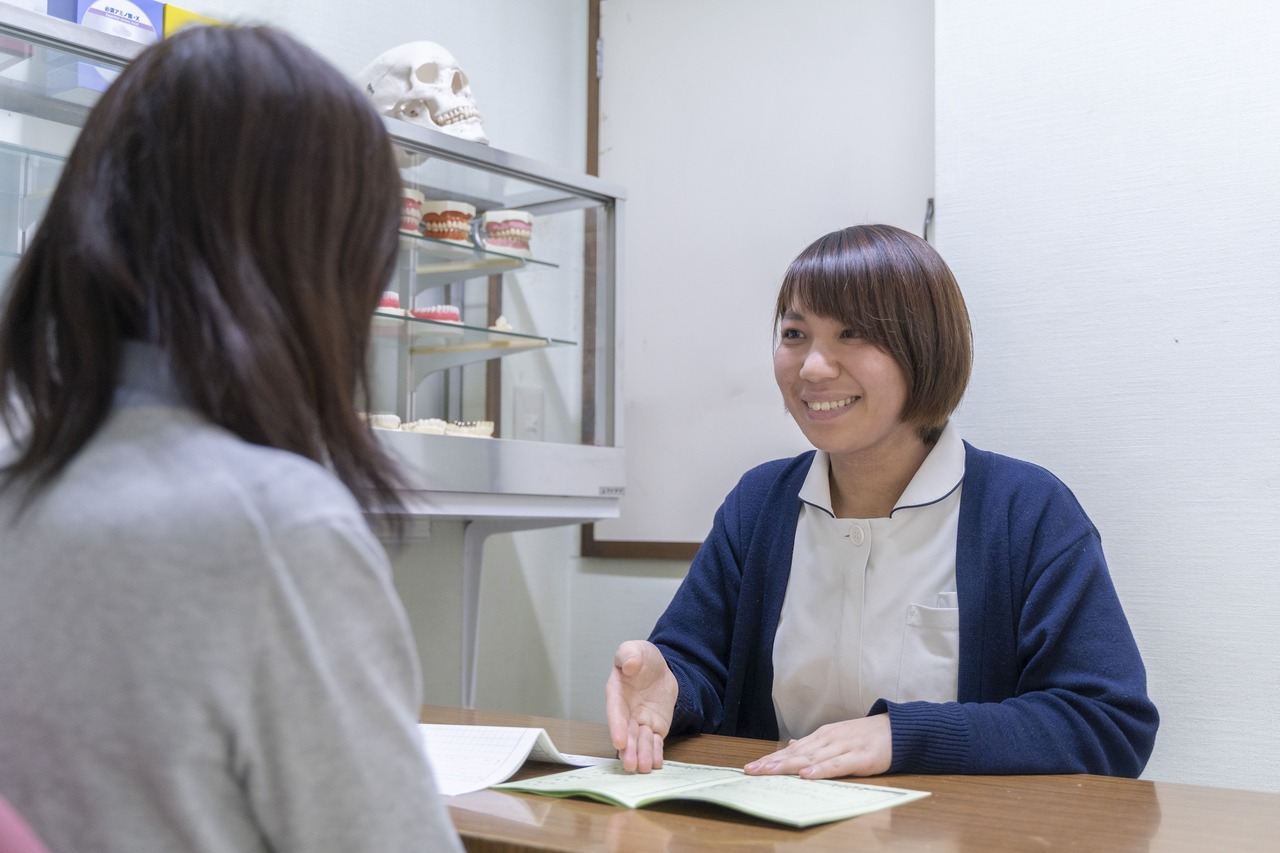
pixel 411 210
pixel 507 231
pixel 448 220
pixel 421 83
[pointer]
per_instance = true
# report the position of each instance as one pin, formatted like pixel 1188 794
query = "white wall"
pixel 1106 178
pixel 743 130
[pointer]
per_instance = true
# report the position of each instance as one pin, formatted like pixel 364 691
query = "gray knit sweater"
pixel 201 650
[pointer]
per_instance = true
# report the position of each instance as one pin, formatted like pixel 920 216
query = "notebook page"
pixel 471 758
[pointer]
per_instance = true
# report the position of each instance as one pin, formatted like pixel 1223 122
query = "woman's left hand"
pixel 850 748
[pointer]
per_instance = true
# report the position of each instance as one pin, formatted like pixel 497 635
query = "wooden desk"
pixel 965 813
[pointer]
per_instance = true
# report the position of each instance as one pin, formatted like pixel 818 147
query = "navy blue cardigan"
pixel 1050 678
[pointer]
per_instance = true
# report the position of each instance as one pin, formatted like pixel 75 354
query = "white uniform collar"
pixel 938 476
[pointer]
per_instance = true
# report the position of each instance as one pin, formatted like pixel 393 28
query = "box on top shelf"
pixel 136 20
pixel 176 18
pixel 79 81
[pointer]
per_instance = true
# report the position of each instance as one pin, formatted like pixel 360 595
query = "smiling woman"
pixel 896 599
pixel 892 290
pixel 874 353
pixel 848 395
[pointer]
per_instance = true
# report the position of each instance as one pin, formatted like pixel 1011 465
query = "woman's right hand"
pixel 640 698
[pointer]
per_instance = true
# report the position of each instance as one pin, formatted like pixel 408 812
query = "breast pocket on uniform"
pixel 930 652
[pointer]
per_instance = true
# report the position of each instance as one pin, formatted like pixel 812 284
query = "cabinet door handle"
pixel 928 219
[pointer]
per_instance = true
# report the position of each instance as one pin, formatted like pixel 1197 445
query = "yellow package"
pixel 175 19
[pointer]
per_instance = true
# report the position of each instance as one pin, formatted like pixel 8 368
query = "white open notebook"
pixel 471 758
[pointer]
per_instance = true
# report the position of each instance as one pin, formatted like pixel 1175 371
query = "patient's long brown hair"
pixel 232 199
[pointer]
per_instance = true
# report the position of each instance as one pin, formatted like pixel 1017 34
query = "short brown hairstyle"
pixel 894 289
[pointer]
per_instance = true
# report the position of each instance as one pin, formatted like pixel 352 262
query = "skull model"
pixel 421 83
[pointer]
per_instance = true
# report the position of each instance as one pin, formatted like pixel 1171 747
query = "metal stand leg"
pixel 472 560
pixel 473 539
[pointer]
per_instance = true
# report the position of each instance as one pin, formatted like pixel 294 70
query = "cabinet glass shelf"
pixel 25 151
pixel 447 170
pixel 442 344
pixel 442 261
pixel 53 70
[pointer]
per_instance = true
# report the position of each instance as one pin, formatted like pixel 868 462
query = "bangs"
pixel 838 280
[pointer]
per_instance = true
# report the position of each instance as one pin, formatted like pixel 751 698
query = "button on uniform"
pixel 857 535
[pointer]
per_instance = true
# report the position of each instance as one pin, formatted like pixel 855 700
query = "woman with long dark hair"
pixel 200 645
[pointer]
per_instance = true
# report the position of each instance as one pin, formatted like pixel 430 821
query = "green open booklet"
pixel 784 799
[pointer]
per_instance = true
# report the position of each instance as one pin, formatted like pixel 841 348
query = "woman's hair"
pixel 232 199
pixel 894 290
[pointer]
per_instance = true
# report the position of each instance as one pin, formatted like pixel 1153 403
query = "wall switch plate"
pixel 528 413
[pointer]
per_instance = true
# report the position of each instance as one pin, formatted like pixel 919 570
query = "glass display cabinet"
pixel 494 361
pixel 479 337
